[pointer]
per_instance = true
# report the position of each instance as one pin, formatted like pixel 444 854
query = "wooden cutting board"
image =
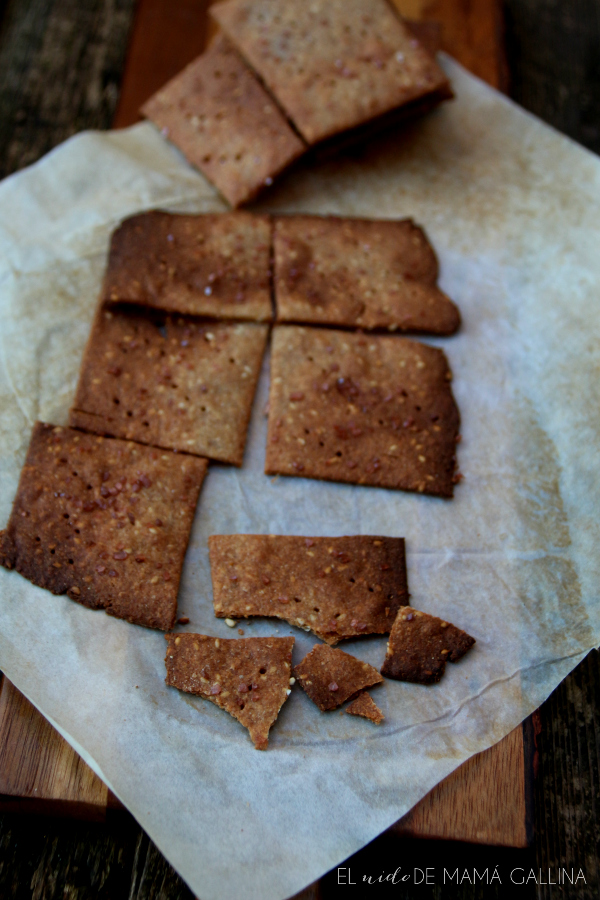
pixel 486 799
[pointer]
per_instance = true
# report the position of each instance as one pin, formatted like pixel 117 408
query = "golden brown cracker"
pixel 374 410
pixel 105 521
pixel 330 676
pixel 206 265
pixel 420 645
pixel 365 706
pixel 331 65
pixel 359 273
pixel 173 382
pixel 247 677
pixel 338 587
pixel 224 122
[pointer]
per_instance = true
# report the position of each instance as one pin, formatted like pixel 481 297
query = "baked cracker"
pixel 105 521
pixel 247 677
pixel 332 65
pixel 206 265
pixel 420 645
pixel 224 122
pixel 172 382
pixel 331 677
pixel 338 587
pixel 362 409
pixel 365 706
pixel 359 273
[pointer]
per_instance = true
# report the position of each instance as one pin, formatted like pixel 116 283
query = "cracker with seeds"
pixel 330 676
pixel 210 265
pixel 225 123
pixel 336 587
pixel 105 521
pixel 420 645
pixel 365 706
pixel 359 273
pixel 177 383
pixel 247 677
pixel 332 65
pixel 374 410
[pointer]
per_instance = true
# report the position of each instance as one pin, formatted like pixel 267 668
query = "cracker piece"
pixel 336 587
pixel 331 677
pixel 365 706
pixel 362 409
pixel 334 64
pixel 178 383
pixel 359 273
pixel 247 677
pixel 105 521
pixel 210 265
pixel 225 123
pixel 420 645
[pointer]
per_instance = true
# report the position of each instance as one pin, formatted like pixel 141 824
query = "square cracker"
pixel 338 587
pixel 224 122
pixel 105 521
pixel 359 273
pixel 209 265
pixel 330 676
pixel 332 65
pixel 178 383
pixel 362 409
pixel 420 645
pixel 248 677
pixel 365 706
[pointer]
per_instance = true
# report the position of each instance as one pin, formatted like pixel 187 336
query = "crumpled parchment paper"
pixel 512 209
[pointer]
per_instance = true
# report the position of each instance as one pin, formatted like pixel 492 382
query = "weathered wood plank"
pixel 60 70
pixel 554 57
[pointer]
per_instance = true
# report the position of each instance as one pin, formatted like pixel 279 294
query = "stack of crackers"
pixel 105 506
pixel 282 78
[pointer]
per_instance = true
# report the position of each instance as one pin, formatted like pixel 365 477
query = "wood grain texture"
pixel 60 69
pixel 567 793
pixel 554 56
pixel 483 801
pixel 471 31
pixel 165 38
pixel 39 771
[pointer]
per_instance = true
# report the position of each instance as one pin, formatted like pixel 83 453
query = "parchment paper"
pixel 512 208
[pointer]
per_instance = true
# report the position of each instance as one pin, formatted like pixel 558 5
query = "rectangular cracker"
pixel 330 677
pixel 248 677
pixel 361 409
pixel 365 706
pixel 333 64
pixel 210 265
pixel 105 521
pixel 178 383
pixel 420 645
pixel 338 587
pixel 359 273
pixel 224 122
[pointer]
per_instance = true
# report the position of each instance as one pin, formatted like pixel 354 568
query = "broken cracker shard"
pixel 330 677
pixel 231 672
pixel 338 587
pixel 420 645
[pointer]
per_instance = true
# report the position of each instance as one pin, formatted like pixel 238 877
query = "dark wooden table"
pixel 62 64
